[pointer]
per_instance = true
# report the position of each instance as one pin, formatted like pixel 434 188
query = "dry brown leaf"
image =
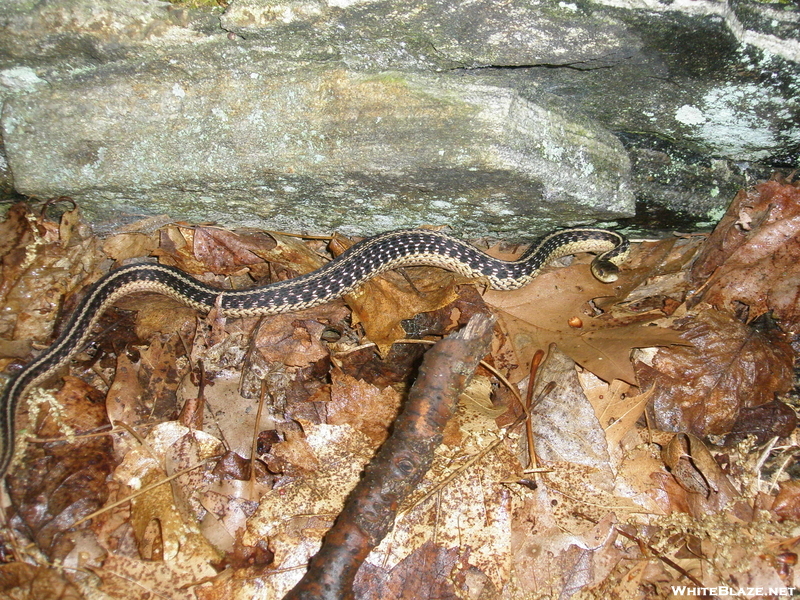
pixel 175 248
pixel 383 302
pixel 758 266
pixel 21 581
pixel 295 516
pixel 668 494
pixel 702 388
pixel 696 471
pixel 470 508
pixel 229 504
pixel 40 275
pixel 564 423
pixel 158 314
pixel 191 449
pixel 635 475
pixel 161 372
pixel 288 354
pixel 225 252
pixel 293 341
pixel 156 522
pixel 164 522
pixel 69 225
pixel 293 254
pixel 230 416
pixel 431 571
pixel 478 397
pixel 606 350
pixel 145 390
pixel 129 245
pixel 617 406
pixel 764 422
pixel 64 480
pixel 579 498
pixel 124 397
pixel 296 453
pixel 363 406
pixel 551 555
pixel 15 231
pixel 787 502
pixel 123 577
pixel 14 349
pixel 219 256
pixel 544 312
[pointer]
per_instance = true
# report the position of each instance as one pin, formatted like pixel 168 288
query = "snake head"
pixel 605 271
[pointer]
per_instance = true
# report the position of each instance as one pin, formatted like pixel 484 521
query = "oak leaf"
pixel 549 308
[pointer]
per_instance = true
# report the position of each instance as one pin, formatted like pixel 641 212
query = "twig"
pixel 644 545
pixel 399 465
pixel 535 362
pixel 143 490
pixel 257 430
pixel 511 388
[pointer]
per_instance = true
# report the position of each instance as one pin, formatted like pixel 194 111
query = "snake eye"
pixel 605 271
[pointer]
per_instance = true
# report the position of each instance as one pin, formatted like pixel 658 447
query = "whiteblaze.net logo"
pixel 724 591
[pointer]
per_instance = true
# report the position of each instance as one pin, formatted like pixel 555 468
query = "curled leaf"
pixel 702 388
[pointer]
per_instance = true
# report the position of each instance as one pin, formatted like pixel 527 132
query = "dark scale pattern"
pixel 340 276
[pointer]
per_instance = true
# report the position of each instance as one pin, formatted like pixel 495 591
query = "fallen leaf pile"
pixel 189 456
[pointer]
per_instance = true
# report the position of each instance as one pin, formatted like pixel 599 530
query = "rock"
pixel 431 35
pixel 272 140
pixel 362 115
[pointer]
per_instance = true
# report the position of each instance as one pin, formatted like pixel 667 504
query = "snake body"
pixel 410 247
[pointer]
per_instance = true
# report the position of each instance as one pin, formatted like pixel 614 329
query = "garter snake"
pixel 410 247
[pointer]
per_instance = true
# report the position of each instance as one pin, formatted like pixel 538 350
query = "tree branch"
pixel 399 465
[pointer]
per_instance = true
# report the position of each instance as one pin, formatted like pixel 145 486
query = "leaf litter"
pixel 663 447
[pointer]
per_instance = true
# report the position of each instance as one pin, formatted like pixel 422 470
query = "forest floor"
pixel 626 440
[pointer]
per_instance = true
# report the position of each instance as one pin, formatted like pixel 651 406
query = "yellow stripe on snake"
pixel 402 248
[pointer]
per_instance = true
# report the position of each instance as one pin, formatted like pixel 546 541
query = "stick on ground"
pixel 399 465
